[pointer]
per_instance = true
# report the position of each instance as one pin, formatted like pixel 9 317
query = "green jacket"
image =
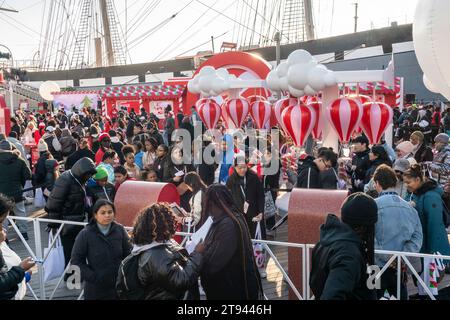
pixel 13 174
pixel 428 203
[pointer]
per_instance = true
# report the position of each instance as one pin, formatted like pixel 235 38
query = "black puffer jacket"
pixel 99 257
pixel 9 280
pixel 338 269
pixel 67 199
pixel 308 174
pixel 167 272
pixel 14 172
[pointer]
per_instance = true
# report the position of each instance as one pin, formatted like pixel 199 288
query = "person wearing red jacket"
pixel 105 144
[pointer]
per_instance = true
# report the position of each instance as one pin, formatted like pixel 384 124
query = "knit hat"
pixel 359 209
pixel 418 134
pixel 401 165
pixel 42 146
pixel 442 137
pixel 5 145
pixel 103 136
pixel 405 147
pixel 101 174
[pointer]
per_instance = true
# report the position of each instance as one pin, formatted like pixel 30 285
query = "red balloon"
pixel 209 112
pixel 345 116
pixel 317 130
pixel 280 106
pixel 299 121
pixel 261 112
pixel 255 98
pixel 363 99
pixel 377 116
pixel 237 110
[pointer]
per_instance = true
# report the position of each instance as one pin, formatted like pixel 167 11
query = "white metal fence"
pixel 305 252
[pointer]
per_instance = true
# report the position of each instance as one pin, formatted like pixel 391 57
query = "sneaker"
pixel 262 273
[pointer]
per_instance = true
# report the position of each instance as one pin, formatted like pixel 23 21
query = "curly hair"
pixel 154 223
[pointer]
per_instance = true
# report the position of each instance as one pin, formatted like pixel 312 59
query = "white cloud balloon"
pixel 211 82
pixel 300 74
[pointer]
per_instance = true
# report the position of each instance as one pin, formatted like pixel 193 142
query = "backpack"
pixel 128 285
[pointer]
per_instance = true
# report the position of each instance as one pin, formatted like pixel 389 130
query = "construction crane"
pixel 81 34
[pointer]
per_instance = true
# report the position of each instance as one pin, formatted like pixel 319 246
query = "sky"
pixel 21 31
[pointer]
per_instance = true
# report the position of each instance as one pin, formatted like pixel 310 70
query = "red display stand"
pixel 133 196
pixel 308 209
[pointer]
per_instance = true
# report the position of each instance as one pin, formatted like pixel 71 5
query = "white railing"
pixel 305 249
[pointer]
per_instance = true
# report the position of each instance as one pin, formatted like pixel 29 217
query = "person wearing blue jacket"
pixel 398 229
pixel 227 158
pixel 426 196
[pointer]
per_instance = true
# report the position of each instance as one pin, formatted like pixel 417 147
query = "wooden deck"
pixel 274 286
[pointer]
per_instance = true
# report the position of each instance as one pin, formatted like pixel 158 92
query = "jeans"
pixel 19 211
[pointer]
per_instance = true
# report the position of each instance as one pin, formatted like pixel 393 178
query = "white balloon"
pixel 431 29
pixel 192 87
pixel 299 56
pixel 207 70
pixel 284 84
pixel 282 69
pixel 429 85
pixel 273 82
pixel 47 88
pixel 298 76
pixel 330 79
pixel 296 93
pixel 316 79
pixel 310 91
pixel 222 72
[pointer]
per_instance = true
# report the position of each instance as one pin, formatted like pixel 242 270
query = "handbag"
pixel 55 263
pixel 269 206
pixel 39 200
pixel 258 248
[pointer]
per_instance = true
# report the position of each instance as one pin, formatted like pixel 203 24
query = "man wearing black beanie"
pixel 345 250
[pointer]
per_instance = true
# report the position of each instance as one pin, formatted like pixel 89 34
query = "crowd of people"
pixel 398 197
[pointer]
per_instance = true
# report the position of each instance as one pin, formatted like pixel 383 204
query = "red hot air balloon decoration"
pixel 261 112
pixel 298 121
pixel 377 116
pixel 280 106
pixel 237 110
pixel 345 116
pixel 209 111
pixel 316 105
pixel 363 99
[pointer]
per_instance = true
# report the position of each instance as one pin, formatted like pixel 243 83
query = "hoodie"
pixel 308 174
pixel 338 269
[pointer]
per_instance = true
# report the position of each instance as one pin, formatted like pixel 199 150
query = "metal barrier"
pixel 38 255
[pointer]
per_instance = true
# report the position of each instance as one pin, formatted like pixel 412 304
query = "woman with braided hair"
pixel 229 270
pixel 166 271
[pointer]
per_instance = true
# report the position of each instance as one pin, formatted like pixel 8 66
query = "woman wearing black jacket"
pixel 166 271
pixel 248 195
pixel 345 250
pixel 229 270
pixel 98 251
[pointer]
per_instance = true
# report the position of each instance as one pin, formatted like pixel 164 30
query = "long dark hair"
pixel 193 180
pixel 219 196
pixel 367 235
